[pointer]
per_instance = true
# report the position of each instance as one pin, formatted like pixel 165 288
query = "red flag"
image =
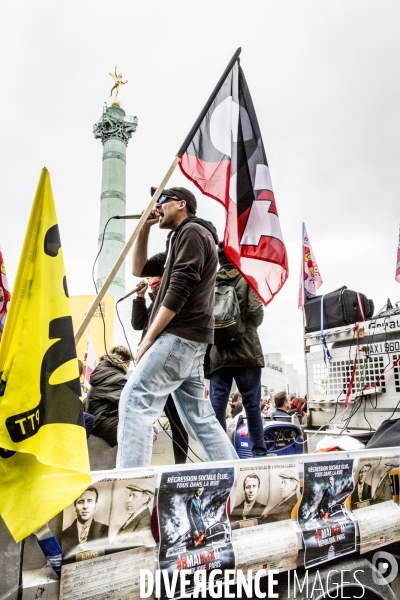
pixel 5 294
pixel 310 277
pixel 398 261
pixel 89 362
pixel 224 156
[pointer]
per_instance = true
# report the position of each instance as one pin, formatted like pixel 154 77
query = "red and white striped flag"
pixel 224 156
pixel 398 260
pixel 5 294
pixel 310 277
pixel 89 362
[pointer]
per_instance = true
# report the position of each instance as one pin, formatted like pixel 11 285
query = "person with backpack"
pixel 237 355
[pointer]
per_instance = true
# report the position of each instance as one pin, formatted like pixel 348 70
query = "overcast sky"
pixel 325 82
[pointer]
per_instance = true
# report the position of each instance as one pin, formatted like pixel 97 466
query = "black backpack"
pixel 228 320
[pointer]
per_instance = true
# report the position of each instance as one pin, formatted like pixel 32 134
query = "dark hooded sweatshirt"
pixel 188 269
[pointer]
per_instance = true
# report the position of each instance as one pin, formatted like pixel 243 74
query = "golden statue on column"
pixel 117 83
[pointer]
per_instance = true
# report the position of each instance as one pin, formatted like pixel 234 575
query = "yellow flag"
pixel 44 462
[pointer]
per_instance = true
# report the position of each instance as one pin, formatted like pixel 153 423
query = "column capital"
pixel 115 125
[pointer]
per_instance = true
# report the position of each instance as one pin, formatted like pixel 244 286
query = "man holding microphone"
pixel 170 357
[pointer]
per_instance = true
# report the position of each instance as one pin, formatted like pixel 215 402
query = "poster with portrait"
pixel 264 494
pixel 107 539
pixel 377 514
pixel 110 515
pixel 327 527
pixel 265 503
pixel 194 527
pixel 374 481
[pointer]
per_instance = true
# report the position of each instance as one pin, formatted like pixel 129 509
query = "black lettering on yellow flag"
pixel 58 403
pixel 43 450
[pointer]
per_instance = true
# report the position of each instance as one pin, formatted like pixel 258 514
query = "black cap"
pixel 182 194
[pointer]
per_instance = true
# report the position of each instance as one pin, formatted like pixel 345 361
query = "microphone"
pixel 132 217
pixel 127 217
pixel 137 289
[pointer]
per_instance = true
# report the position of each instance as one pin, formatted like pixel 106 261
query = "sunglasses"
pixel 164 199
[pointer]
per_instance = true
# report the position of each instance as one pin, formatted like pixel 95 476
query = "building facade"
pixel 278 375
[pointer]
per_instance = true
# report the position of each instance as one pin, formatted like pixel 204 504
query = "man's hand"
pixel 152 219
pixel 142 292
pixel 164 316
pixel 146 343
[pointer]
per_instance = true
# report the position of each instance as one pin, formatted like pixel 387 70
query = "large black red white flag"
pixel 224 156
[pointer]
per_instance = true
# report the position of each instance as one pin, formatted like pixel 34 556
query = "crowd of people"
pixel 287 405
pixel 177 349
pixel 284 405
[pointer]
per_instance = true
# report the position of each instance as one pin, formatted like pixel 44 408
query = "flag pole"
pixel 207 105
pixel 302 270
pixel 304 318
pixel 92 309
pixel 157 194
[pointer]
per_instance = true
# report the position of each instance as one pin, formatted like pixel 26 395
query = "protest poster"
pixel 377 515
pixel 195 533
pixel 373 480
pixel 327 527
pixel 266 497
pixel 264 494
pixel 107 539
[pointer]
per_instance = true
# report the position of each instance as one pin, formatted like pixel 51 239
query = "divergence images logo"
pixel 387 568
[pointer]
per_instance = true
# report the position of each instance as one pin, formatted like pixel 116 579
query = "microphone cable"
pixel 121 362
pixel 112 360
pixel 175 442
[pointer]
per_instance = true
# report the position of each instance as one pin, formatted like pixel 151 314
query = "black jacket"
pixel 107 382
pixel 140 314
pixel 188 271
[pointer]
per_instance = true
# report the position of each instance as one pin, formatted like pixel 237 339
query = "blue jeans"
pixel 248 381
pixel 172 365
